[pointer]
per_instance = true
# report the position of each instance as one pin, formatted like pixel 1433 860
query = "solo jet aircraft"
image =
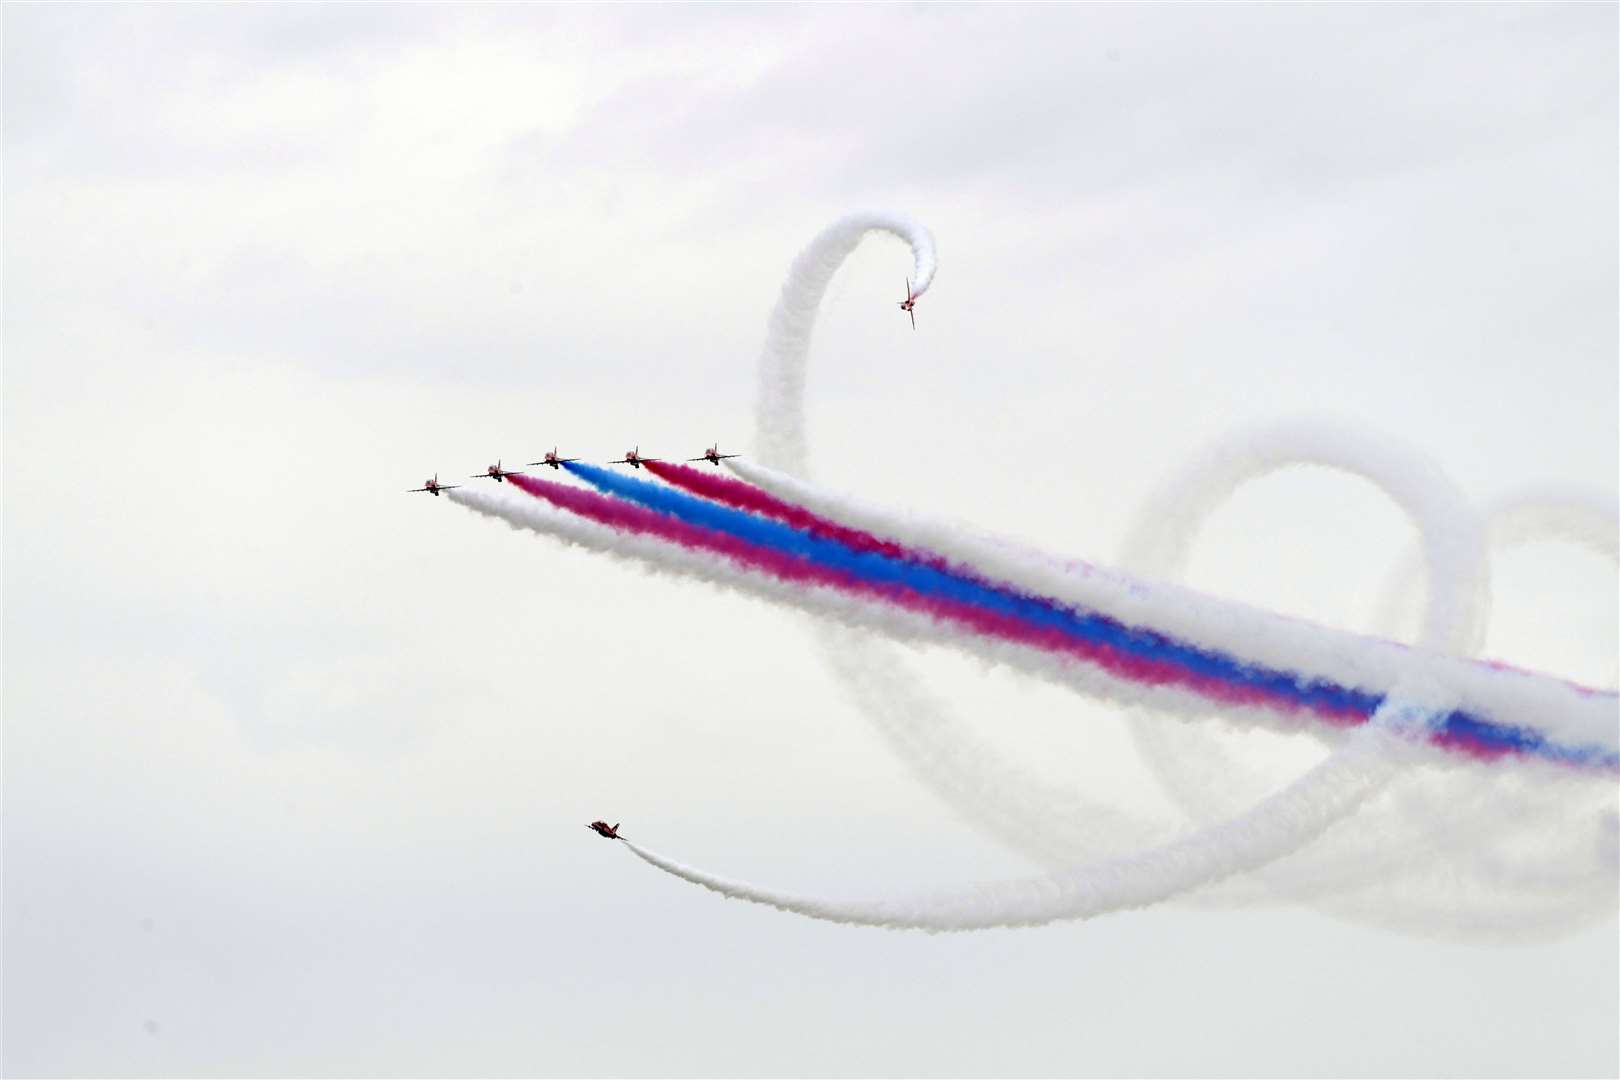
pixel 553 460
pixel 632 458
pixel 909 302
pixel 604 829
pixel 713 456
pixel 433 487
pixel 496 473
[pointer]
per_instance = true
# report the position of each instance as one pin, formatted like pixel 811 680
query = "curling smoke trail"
pixel 1271 829
pixel 957 765
pixel 892 700
pixel 1361 769
pixel 780 435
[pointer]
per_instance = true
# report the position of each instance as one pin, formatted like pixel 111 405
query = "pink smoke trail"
pixel 619 514
pixel 742 496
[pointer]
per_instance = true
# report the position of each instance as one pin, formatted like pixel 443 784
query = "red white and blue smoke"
pixel 1498 739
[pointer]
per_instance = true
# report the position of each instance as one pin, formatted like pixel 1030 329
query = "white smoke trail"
pixel 1271 829
pixel 1053 826
pixel 1429 856
pixel 1196 771
pixel 961 770
pixel 779 436
pixel 1587 519
pixel 532 514
pixel 1559 710
pixel 907 626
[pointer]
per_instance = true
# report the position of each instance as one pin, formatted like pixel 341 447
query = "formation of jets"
pixel 633 458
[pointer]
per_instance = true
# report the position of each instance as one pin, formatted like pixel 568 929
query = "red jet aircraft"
pixel 632 458
pixel 553 460
pixel 496 473
pixel 907 304
pixel 713 456
pixel 434 487
pixel 604 829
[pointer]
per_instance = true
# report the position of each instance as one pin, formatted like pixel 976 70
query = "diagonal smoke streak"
pixel 755 500
pixel 988 636
pixel 1575 717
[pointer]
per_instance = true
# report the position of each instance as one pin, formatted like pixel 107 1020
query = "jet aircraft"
pixel 553 460
pixel 713 456
pixel 907 304
pixel 496 473
pixel 632 458
pixel 602 828
pixel 433 487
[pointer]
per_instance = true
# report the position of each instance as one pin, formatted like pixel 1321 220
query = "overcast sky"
pixel 296 764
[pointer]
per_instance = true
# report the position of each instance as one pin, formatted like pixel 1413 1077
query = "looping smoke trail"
pixel 959 769
pixel 1159 544
pixel 1586 519
pixel 779 438
pixel 953 762
pixel 1434 834
pixel 1420 688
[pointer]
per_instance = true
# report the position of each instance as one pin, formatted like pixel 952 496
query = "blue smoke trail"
pixel 1456 728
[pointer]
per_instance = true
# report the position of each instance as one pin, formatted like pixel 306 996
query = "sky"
pixel 295 765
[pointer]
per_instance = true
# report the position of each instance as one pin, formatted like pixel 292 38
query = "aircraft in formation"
pixel 496 473
pixel 602 828
pixel 713 456
pixel 632 458
pixel 553 460
pixel 433 487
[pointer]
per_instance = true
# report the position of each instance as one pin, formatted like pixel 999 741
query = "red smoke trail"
pixel 620 514
pixel 741 496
